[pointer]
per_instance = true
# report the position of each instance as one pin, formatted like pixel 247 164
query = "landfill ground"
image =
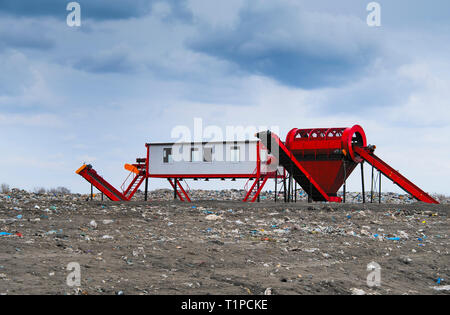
pixel 221 247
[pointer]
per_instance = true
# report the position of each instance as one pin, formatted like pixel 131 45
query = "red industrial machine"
pixel 138 171
pixel 319 160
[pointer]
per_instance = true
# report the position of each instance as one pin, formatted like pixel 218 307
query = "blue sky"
pixel 136 69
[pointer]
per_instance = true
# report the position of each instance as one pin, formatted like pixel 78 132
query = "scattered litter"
pixel 213 217
pixel 51 232
pixel 442 288
pixel 268 291
pixel 311 250
pixel 406 260
pixel 10 234
pixel 356 291
pixel 393 238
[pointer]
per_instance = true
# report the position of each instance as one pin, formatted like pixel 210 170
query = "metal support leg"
pixel 345 181
pixel 362 182
pixel 146 189
pixel 258 199
pixel 186 196
pixel 291 182
pixel 276 180
pixel 175 189
pixel 260 188
pixel 289 189
pixel 371 187
pixel 284 187
pixel 295 192
pixel 310 193
pixel 293 189
pixel 379 187
pixel 92 192
pixel 291 193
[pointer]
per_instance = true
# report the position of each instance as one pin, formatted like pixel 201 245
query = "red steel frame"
pixel 177 191
pixel 396 177
pixel 291 158
pixel 101 184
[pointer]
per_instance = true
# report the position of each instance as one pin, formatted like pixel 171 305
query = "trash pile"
pixel 223 195
pixel 18 195
pixel 219 245
pixel 236 194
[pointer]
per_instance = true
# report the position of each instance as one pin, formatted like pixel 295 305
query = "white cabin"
pixel 227 159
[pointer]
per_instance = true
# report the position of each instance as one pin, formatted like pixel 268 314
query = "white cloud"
pixel 216 13
pixel 35 120
pixel 429 103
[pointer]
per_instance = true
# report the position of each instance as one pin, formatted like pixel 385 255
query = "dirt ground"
pixel 213 247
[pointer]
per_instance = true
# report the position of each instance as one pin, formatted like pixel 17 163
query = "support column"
pixel 292 182
pixel 362 182
pixel 310 193
pixel 295 192
pixel 276 180
pixel 258 199
pixel 292 189
pixel 371 187
pixel 92 192
pixel 289 187
pixel 379 187
pixel 345 180
pixel 146 189
pixel 175 188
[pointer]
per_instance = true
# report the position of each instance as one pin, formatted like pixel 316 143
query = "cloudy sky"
pixel 136 69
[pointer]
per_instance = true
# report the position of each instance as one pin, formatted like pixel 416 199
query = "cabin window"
pixel 235 154
pixel 167 155
pixel 195 155
pixel 207 154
